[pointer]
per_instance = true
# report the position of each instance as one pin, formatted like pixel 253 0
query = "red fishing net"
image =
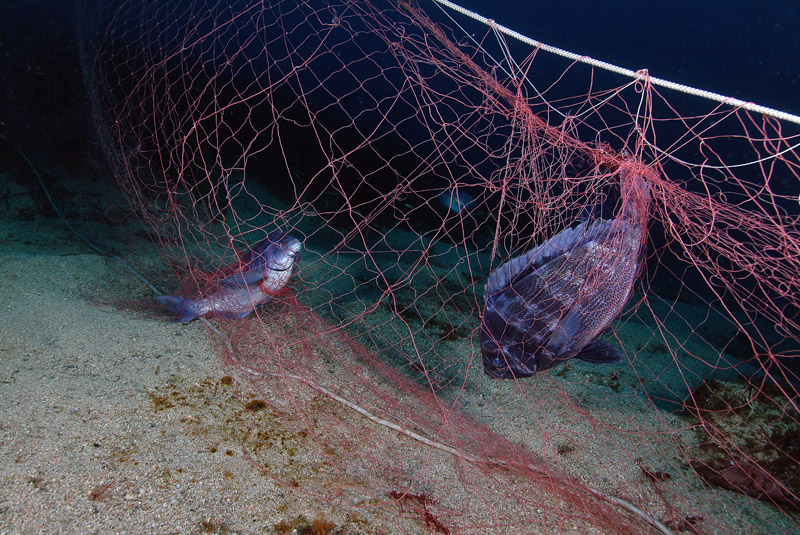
pixel 411 160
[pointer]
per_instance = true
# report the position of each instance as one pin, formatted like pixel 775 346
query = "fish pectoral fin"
pixel 600 352
pixel 565 332
pixel 235 315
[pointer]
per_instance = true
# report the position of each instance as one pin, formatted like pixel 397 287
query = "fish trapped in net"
pixel 457 201
pixel 549 305
pixel 262 273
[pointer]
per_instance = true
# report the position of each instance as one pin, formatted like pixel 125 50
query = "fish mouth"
pixel 496 373
pixel 285 264
pixel 499 364
pixel 288 256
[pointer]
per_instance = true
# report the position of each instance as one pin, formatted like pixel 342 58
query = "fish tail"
pixel 184 309
pixel 636 194
pixel 634 184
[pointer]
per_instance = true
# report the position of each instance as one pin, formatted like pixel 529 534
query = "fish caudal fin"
pixel 600 352
pixel 183 308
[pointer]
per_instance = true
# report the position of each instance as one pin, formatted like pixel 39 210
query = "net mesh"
pixel 412 159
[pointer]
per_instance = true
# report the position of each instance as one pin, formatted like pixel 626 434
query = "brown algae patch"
pixel 232 423
pixel 739 417
pixel 228 421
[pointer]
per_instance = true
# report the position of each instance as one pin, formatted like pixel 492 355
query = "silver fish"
pixel 549 305
pixel 262 273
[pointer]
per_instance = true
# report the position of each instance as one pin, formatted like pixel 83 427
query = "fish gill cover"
pixel 344 124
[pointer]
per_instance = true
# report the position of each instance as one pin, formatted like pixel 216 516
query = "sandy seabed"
pixel 103 425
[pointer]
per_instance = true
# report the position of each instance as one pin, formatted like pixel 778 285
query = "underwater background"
pixel 175 136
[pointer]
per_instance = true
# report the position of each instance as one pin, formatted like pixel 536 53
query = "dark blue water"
pixel 747 50
pixel 741 49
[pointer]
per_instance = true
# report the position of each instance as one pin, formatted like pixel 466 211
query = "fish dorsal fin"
pixel 516 268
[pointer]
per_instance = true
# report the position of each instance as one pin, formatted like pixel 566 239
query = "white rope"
pixel 637 75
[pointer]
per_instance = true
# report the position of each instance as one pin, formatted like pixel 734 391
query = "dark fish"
pixel 549 305
pixel 262 273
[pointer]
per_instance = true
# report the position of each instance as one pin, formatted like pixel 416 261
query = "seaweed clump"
pixel 748 440
pixel 301 526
